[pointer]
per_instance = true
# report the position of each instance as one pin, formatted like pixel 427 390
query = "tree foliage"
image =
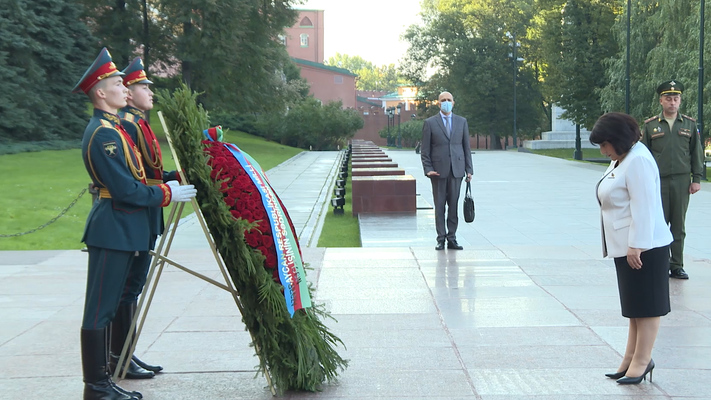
pixel 466 43
pixel 410 132
pixel 117 25
pixel 576 39
pixel 44 49
pixel 370 76
pixel 664 46
pixel 310 125
pixel 228 50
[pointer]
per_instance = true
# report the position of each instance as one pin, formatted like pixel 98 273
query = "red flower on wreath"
pixel 244 201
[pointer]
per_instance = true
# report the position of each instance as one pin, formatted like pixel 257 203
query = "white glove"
pixel 181 193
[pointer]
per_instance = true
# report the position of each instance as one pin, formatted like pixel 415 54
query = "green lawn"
pixel 341 230
pixel 568 153
pixel 588 154
pixel 37 186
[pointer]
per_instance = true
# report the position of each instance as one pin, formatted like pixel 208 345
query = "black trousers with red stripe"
pixel 105 282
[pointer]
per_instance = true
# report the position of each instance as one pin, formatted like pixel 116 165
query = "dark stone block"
pixel 387 193
pixel 355 165
pixel 378 171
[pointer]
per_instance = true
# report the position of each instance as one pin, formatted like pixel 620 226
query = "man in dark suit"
pixel 446 159
pixel 117 226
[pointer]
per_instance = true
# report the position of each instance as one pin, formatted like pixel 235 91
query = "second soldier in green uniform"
pixel 674 142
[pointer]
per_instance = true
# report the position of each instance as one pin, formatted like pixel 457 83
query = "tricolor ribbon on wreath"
pixel 290 266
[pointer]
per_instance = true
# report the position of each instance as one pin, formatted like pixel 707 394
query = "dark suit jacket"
pixel 442 154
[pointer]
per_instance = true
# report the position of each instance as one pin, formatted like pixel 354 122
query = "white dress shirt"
pixel 447 119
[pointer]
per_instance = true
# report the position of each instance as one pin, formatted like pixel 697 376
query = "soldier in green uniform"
pixel 139 100
pixel 117 226
pixel 674 141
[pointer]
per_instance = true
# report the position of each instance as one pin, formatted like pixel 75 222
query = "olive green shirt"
pixel 678 149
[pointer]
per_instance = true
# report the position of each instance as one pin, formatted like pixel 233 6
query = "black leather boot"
pixel 119 331
pixel 97 382
pixel 154 368
pixel 107 340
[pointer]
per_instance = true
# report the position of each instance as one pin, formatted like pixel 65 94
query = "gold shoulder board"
pixel 107 124
pixel 688 117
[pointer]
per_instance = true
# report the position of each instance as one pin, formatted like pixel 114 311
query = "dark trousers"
pixel 675 202
pixel 446 196
pixel 105 281
pixel 136 279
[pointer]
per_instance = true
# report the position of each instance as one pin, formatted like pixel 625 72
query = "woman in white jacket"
pixel 635 234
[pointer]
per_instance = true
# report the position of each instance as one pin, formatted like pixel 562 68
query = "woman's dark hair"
pixel 618 129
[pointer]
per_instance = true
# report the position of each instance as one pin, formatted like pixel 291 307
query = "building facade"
pixel 329 83
pixel 304 40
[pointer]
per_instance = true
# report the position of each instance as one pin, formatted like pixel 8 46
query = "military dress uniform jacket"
pixel 118 219
pixel 677 150
pixel 133 120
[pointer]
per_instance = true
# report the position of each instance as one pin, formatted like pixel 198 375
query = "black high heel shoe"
pixel 637 380
pixel 616 375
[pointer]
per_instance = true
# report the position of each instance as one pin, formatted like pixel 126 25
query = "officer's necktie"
pixel 449 126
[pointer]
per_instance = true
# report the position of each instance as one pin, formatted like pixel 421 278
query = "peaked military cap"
pixel 102 67
pixel 135 73
pixel 670 87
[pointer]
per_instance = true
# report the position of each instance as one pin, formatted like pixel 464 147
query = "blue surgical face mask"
pixel 446 106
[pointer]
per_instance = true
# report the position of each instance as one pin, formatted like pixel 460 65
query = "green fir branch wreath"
pixel 299 352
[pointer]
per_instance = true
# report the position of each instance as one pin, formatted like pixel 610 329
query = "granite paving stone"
pixel 527 311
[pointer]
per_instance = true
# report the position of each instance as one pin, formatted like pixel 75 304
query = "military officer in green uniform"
pixel 674 141
pixel 139 101
pixel 117 226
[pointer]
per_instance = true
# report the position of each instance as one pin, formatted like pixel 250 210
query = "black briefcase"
pixel 468 204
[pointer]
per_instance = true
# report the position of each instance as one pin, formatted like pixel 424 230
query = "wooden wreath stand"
pixel 160 258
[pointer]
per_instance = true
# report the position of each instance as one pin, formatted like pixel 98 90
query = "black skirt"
pixel 644 292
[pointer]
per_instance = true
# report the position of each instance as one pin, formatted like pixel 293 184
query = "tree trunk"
pixel 185 65
pixel 123 56
pixel 146 37
pixel 495 141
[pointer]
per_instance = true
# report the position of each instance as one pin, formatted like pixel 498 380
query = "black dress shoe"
pixel 453 245
pixel 636 380
pixel 678 274
pixel 133 371
pixel 149 367
pixel 440 245
pixel 616 375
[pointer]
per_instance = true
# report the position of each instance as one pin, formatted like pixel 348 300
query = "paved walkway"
pixel 529 310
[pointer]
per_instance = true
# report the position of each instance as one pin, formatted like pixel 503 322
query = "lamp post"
pixel 515 59
pixel 388 112
pixel 627 62
pixel 399 136
pixel 578 153
pixel 700 117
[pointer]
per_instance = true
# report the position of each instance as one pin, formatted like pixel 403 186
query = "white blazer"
pixel 631 205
